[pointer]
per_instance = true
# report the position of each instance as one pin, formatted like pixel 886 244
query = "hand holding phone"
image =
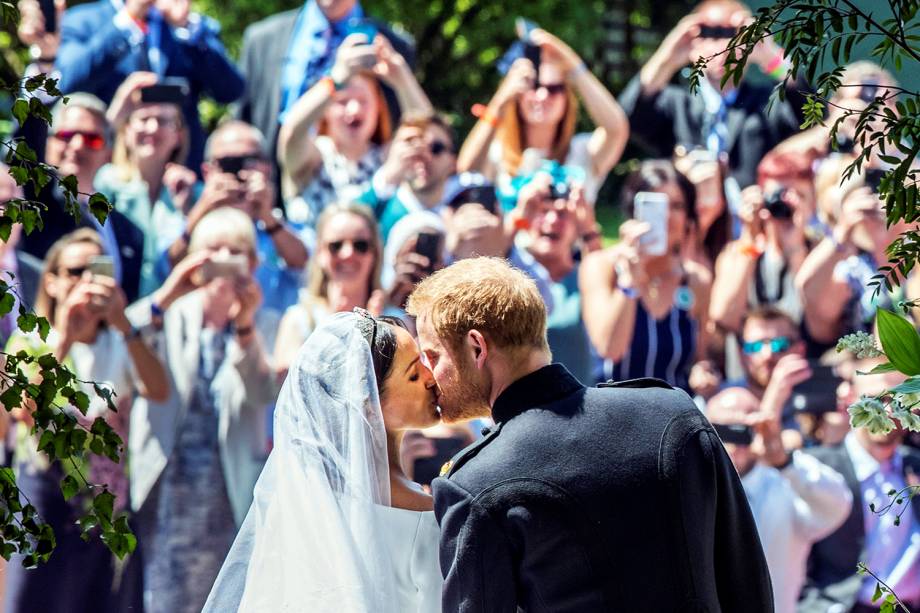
pixel 170 90
pixel 652 208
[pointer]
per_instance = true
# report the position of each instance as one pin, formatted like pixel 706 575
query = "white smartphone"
pixel 102 265
pixel 652 208
pixel 230 266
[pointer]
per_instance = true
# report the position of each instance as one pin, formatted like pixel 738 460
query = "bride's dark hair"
pixel 380 335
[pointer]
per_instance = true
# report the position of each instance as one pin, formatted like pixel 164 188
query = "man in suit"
pixel 285 54
pixel 872 465
pixel 729 120
pixel 79 144
pixel 105 41
pixel 579 499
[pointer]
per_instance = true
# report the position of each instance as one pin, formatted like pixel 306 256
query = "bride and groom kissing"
pixel 614 498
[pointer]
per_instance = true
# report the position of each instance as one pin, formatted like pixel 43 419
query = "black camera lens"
pixel 775 204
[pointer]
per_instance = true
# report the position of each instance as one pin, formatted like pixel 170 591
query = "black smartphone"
pixel 736 434
pixel 49 12
pixel 775 203
pixel 718 32
pixel 819 393
pixel 531 51
pixel 424 470
pixel 874 178
pixel 172 90
pixel 428 244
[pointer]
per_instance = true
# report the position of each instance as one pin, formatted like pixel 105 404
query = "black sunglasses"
pixel 438 147
pixel 718 32
pixel 361 245
pixel 553 89
pixel 76 271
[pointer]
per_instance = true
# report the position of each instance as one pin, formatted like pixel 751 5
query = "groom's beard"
pixel 465 397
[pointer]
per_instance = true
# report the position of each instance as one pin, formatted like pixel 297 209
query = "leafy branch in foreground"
pixel 52 397
pixel 818 33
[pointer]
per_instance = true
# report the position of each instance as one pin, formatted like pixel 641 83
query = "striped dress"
pixel 664 348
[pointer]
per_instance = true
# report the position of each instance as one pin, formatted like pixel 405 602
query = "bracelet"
pixel 155 310
pixel 787 463
pixel 520 222
pixel 330 84
pixel 751 250
pixel 577 71
pixel 132 334
pixel 629 292
pixel 482 112
pixel 274 229
pixel 242 331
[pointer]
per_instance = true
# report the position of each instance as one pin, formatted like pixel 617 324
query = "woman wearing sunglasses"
pixel 146 180
pixel 91 336
pixel 344 273
pixel 538 112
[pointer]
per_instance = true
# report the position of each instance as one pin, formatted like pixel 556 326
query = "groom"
pixel 579 499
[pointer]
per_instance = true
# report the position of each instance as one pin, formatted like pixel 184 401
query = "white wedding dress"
pixel 321 536
pixel 412 540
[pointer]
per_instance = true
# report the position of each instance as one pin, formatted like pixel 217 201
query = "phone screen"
pixel 818 394
pixel 652 208
pixel 428 244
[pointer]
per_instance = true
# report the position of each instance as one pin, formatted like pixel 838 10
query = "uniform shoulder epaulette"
pixel 637 383
pixel 464 455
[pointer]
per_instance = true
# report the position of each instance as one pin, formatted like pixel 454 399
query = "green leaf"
pixel 27 322
pixel 877 594
pixel 6 228
pixel 103 504
pixel 69 487
pixel 7 301
pixel 44 327
pixel 21 110
pixel 900 342
pixel 99 207
pixel 911 386
pixel 11 398
pixel 881 368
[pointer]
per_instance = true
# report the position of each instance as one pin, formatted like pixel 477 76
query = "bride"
pixel 335 524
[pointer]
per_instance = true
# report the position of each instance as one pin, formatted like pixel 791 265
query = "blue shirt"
pixel 311 52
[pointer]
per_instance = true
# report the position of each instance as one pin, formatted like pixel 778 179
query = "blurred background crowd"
pixel 731 257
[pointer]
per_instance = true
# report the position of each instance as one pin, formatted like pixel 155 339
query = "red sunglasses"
pixel 91 140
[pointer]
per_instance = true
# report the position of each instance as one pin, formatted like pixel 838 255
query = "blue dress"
pixel 194 521
pixel 663 348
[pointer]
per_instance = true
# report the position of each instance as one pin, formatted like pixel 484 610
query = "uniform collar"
pixel 540 387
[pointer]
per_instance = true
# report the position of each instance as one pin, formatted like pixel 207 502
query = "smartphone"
pixel 424 470
pixel 736 434
pixel 228 267
pixel 652 208
pixel 819 393
pixel 532 52
pixel 234 164
pixel 171 90
pixel 428 244
pixel 717 32
pixel 102 265
pixel 363 26
pixel 49 12
pixel 874 178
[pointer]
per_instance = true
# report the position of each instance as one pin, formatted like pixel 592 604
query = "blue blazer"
pixel 96 56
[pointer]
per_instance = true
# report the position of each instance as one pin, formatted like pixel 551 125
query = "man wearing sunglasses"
pixel 796 500
pixel 79 144
pixel 421 159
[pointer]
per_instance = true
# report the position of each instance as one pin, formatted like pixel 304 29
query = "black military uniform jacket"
pixel 618 498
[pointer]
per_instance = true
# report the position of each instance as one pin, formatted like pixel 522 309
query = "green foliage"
pixel 816 34
pixel 52 394
pixel 900 342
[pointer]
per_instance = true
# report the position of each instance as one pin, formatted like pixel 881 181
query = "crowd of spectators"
pixel 743 255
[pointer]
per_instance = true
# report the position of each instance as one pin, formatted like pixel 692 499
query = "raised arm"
pixel 612 132
pixel 474 154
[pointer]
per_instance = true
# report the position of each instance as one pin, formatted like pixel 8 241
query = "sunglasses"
pixel 718 32
pixel 360 246
pixel 162 121
pixel 438 147
pixel 76 271
pixel 777 345
pixel 553 89
pixel 92 140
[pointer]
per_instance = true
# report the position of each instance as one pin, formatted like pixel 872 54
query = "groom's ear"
pixel 478 346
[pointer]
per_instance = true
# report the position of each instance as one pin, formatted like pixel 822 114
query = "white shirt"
pixel 891 552
pixel 792 509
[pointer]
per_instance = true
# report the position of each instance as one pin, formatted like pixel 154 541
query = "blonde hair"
pixel 484 294
pixel 224 224
pixel 318 282
pixel 511 135
pixel 122 158
pixel 45 305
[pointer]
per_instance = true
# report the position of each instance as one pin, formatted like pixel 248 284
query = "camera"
pixel 775 203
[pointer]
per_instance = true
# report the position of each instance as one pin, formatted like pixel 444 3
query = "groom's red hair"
pixel 484 294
